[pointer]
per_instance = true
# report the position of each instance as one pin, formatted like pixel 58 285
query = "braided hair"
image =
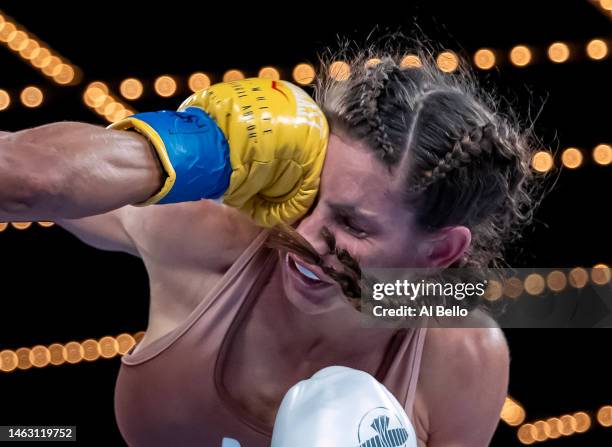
pixel 464 161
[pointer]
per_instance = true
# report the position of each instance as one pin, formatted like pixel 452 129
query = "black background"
pixel 56 289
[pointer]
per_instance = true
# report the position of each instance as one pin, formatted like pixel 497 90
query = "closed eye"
pixel 352 227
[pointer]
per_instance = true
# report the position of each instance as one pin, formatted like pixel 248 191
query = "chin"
pixel 306 291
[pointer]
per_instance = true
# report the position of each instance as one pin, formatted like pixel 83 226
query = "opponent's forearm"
pixel 71 170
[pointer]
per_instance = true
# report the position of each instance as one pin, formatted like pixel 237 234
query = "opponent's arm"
pixel 72 170
pixel 270 171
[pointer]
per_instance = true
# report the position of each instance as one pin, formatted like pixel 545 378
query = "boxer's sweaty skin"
pixel 71 170
pixel 188 249
pixel 220 374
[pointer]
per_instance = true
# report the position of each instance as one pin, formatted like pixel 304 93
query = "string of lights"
pixel 40 356
pixel 98 98
pixel 72 352
pixel 36 53
pixel 90 350
pixel 167 85
pixel 512 412
pixel 536 284
pixel 565 425
pixel 533 284
pixel 571 158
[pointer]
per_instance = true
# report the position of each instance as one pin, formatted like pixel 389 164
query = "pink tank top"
pixel 170 393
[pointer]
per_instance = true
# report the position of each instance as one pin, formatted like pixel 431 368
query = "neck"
pixel 336 337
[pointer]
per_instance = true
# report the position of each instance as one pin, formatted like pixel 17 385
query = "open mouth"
pixel 305 274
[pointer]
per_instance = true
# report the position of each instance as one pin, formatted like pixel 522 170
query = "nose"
pixel 310 229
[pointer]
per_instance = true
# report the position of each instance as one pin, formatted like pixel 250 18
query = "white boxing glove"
pixel 341 407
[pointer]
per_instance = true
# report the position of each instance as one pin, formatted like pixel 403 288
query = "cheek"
pixel 391 251
pixel 362 249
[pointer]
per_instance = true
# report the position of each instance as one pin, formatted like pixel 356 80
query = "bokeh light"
pixel 91 350
pixel 568 425
pixel 513 287
pixel 554 425
pixel 17 40
pixel 198 81
pixel 571 158
pixel 410 61
pixel 447 61
pixel 597 49
pixel 31 96
pixel 57 354
pixel 23 358
pixel 303 74
pixel 558 52
pixel 542 161
pixel 578 277
pixel 484 59
pixel 604 415
pixel 131 88
pixel 233 75
pixel 526 434
pixel 583 421
pixel 340 70
pixel 602 154
pixel 40 356
pixel 269 73
pixel 53 66
pixel 165 86
pixel 606 4
pixel 601 274
pixel 74 352
pixel 66 75
pixel 520 55
pixel 534 284
pixel 556 281
pixel 109 347
pixel 21 225
pixel 125 343
pixel 493 291
pixel 8 361
pixel 42 58
pixel 5 99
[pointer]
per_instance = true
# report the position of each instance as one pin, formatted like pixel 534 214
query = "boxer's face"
pixel 360 202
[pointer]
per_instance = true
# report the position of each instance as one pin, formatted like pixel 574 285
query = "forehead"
pixel 353 173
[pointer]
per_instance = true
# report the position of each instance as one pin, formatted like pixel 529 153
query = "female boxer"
pixel 421 169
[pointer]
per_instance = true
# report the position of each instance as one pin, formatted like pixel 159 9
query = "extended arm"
pixel 72 170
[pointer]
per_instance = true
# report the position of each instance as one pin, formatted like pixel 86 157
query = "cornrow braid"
pixel 458 154
pixel 372 88
pixel 464 150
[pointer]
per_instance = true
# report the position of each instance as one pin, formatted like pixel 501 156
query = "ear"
pixel 446 246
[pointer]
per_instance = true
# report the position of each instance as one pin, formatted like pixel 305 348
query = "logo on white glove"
pixel 380 427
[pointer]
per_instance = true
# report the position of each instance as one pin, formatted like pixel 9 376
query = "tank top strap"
pixel 219 304
pixel 402 374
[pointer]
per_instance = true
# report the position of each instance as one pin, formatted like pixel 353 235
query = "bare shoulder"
pixel 460 354
pixel 462 384
pixel 201 234
pixel 467 347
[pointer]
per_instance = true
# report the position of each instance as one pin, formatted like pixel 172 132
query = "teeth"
pixel 304 271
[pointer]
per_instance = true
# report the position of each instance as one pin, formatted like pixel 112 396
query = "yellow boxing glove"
pixel 277 139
